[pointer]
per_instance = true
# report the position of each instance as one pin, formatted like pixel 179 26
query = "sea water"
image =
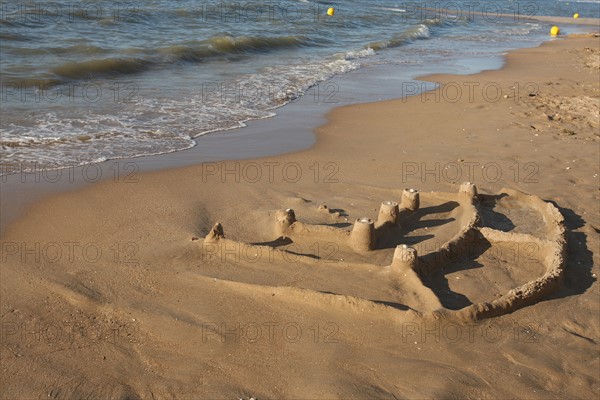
pixel 88 81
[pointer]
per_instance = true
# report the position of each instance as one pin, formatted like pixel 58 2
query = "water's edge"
pixel 291 130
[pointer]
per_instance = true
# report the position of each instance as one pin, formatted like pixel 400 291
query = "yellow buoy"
pixel 576 15
pixel 330 11
pixel 554 31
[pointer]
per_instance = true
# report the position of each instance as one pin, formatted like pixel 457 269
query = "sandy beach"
pixel 127 289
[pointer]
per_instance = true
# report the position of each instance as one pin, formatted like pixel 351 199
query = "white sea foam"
pixel 154 125
pixel 395 9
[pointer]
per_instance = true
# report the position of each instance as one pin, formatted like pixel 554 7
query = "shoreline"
pixel 34 186
pixel 258 139
pixel 177 310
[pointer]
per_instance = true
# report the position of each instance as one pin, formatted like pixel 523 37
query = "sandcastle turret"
pixel 468 188
pixel 410 199
pixel 216 233
pixel 388 213
pixel 405 257
pixel 284 219
pixel 363 234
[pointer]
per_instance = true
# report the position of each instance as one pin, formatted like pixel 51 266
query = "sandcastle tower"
pixel 410 199
pixel 362 236
pixel 405 257
pixel 469 189
pixel 215 233
pixel 388 213
pixel 284 219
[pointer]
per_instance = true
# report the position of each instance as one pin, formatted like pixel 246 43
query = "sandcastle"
pixel 392 233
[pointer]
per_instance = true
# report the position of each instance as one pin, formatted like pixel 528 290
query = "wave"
pixel 78 49
pixel 226 44
pixel 362 53
pixel 420 31
pixel 229 44
pixel 191 52
pixel 103 67
pixel 15 37
pixel 395 9
pixel 156 125
pixel 11 84
pixel 30 141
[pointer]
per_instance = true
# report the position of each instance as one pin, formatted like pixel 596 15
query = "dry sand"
pixel 122 290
